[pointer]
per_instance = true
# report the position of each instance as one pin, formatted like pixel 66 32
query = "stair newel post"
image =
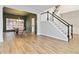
pixel 68 33
pixel 72 31
pixel 52 16
pixel 47 15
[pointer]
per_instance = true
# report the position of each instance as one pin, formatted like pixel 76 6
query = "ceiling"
pixel 14 11
pixel 29 8
pixel 37 8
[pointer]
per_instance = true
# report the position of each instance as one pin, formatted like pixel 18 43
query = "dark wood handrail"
pixel 57 17
pixel 61 18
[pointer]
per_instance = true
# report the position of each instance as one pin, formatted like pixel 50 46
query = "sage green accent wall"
pixel 4 23
pixel 29 23
pixel 25 19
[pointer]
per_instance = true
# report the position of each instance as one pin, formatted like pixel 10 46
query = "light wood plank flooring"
pixel 31 44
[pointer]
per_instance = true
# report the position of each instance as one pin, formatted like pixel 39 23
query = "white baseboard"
pixel 1 40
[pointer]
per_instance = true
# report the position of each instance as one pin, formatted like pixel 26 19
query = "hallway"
pixel 31 44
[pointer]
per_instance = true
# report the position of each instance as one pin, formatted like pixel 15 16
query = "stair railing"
pixel 69 26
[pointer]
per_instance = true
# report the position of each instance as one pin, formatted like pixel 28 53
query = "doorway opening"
pixel 19 21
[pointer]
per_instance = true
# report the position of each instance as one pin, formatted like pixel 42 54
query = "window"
pixel 14 23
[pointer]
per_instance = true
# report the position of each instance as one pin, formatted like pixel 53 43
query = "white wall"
pixel 73 18
pixel 68 8
pixel 38 24
pixel 1 24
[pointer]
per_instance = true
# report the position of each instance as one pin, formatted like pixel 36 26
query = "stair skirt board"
pixel 58 38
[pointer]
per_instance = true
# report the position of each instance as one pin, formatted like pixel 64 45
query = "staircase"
pixel 61 26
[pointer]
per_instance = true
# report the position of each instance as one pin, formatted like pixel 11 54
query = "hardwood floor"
pixel 31 44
